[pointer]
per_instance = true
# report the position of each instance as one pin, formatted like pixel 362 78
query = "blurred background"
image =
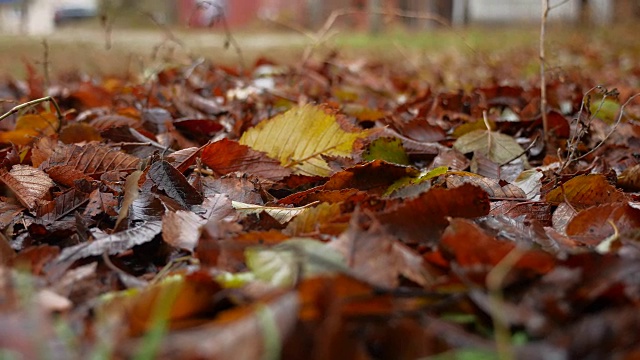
pixel 38 17
pixel 112 36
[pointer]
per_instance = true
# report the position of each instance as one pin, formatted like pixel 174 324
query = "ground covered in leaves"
pixel 332 209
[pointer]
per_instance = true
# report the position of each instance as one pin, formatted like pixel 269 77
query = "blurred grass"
pixel 84 48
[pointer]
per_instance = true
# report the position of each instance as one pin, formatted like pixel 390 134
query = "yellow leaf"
pixel 299 137
pixel 281 214
pixel 30 127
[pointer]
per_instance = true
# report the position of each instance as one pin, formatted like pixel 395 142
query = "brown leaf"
pixel 61 206
pixel 67 175
pixel 630 178
pixel 30 185
pixel 422 219
pixel 226 156
pixel 93 158
pixel 592 225
pixel 374 176
pixel 101 202
pixel 181 228
pixel 112 244
pixel 174 184
pixel 465 242
pixel 8 213
pixel 493 187
pixel 78 132
pixel 584 191
pixel 183 158
pixel 376 256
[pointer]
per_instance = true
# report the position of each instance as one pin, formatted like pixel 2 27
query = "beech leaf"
pixel 226 156
pixel 174 184
pixel 281 214
pixel 92 158
pixel 280 264
pixel 28 184
pixel 112 244
pixel 299 137
pixel 496 146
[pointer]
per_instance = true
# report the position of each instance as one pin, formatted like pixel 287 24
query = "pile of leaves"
pixel 336 209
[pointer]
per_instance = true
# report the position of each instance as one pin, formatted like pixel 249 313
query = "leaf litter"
pixel 329 215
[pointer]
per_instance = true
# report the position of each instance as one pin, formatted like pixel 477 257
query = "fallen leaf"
pixel 422 219
pixel 468 244
pixel 174 184
pixel 284 263
pixel 496 146
pixel 227 156
pixel 281 214
pixel 30 127
pixel 584 191
pixel 30 185
pixel 112 244
pixel 377 256
pixel 300 136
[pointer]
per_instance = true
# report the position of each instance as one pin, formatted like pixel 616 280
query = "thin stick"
pixel 543 81
pixel 28 104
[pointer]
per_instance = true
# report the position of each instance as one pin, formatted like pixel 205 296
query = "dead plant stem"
pixel 543 81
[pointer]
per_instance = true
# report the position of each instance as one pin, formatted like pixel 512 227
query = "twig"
pixel 45 64
pixel 323 34
pixel 533 143
pixel 28 104
pixel 230 40
pixel 543 81
pixel 613 129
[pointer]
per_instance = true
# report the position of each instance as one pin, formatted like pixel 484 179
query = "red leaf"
pixel 227 156
pixel 470 246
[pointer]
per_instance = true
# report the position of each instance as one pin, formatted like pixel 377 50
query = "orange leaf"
pixel 584 191
pixel 30 127
pixel 470 246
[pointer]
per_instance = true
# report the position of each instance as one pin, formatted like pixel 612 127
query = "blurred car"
pixel 66 14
